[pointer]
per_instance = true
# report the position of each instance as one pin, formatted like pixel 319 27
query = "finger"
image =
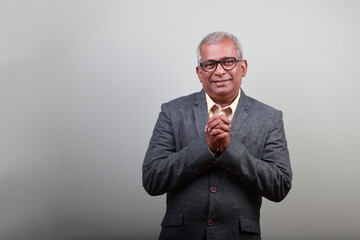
pixel 216 132
pixel 223 135
pixel 214 123
pixel 222 126
pixel 211 120
pixel 225 119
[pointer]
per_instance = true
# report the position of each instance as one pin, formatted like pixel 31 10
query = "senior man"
pixel 217 152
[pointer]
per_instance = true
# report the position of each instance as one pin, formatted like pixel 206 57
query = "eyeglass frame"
pixel 219 61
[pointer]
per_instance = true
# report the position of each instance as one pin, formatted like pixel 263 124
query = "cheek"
pixel 237 75
pixel 205 77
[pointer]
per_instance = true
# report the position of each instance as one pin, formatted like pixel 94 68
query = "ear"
pixel 244 67
pixel 199 73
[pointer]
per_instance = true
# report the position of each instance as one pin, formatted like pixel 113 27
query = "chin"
pixel 221 92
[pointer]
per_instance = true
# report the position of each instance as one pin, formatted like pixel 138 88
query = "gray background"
pixel 81 88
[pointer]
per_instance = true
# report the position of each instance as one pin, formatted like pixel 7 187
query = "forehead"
pixel 225 48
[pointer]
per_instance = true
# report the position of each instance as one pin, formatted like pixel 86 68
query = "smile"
pixel 220 83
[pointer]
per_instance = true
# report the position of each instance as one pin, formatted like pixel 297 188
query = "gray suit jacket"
pixel 217 196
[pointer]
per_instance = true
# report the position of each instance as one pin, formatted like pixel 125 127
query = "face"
pixel 221 85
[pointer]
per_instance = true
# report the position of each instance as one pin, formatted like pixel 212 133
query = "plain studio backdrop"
pixel 81 87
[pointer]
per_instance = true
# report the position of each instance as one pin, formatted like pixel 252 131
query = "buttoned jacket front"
pixel 217 196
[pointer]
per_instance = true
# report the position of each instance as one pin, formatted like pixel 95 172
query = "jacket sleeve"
pixel 165 168
pixel 271 175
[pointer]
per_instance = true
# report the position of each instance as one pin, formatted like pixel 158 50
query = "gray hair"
pixel 216 38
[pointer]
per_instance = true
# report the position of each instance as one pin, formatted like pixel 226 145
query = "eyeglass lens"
pixel 226 63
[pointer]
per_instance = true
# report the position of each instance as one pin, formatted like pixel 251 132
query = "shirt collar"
pixel 233 105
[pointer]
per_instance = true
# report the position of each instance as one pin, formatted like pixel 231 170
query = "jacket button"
pixel 210 223
pixel 213 189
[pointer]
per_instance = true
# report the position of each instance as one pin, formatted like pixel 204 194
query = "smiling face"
pixel 221 85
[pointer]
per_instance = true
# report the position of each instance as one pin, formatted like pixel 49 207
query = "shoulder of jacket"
pixel 257 105
pixel 181 102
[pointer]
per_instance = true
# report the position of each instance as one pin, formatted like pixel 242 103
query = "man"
pixel 217 152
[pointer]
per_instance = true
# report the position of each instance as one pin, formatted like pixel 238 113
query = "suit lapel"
pixel 200 112
pixel 240 114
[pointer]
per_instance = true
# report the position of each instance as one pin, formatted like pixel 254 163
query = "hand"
pixel 217 133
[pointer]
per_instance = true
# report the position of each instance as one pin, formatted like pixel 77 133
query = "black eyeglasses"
pixel 228 63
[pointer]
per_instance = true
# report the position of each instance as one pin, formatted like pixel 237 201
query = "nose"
pixel 219 70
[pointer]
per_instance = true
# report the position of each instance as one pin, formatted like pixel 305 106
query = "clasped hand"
pixel 217 133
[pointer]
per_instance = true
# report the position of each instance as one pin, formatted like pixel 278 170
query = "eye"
pixel 228 62
pixel 209 64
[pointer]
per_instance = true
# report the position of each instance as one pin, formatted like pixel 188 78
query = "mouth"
pixel 220 83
